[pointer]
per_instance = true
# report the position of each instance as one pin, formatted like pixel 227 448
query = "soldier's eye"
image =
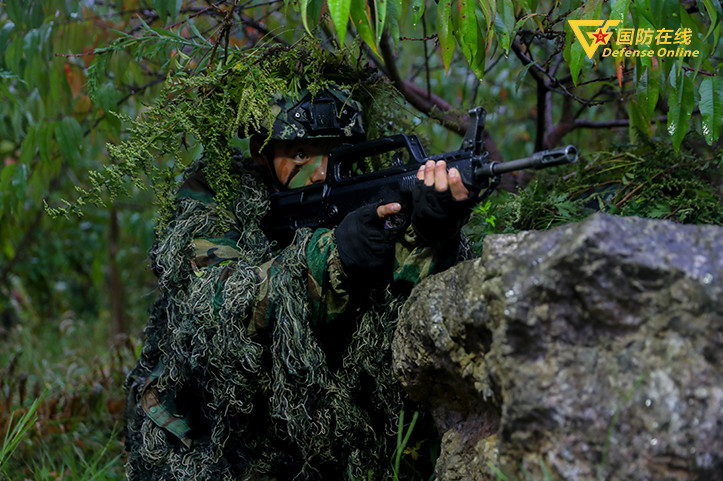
pixel 301 157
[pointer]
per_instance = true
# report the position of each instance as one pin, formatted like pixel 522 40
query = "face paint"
pixel 299 177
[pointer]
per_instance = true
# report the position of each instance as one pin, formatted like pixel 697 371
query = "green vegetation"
pixel 81 83
pixel 63 405
pixel 648 180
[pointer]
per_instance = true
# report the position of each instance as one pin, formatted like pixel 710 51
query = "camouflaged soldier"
pixel 274 362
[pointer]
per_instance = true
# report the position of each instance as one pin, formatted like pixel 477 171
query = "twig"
pixel 421 99
pixel 426 58
pixel 542 75
pixel 423 39
pixel 640 186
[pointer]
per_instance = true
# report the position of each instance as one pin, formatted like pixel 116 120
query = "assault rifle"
pixel 349 185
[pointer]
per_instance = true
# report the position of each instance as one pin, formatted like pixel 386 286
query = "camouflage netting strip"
pixel 267 408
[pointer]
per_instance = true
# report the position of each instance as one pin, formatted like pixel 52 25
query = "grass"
pixel 61 401
pixel 402 441
pixel 15 432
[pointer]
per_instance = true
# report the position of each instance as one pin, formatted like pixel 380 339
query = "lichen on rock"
pixel 591 351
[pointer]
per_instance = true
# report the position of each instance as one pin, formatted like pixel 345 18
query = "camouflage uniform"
pixel 261 361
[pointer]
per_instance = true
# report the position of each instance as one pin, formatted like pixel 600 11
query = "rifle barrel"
pixel 538 160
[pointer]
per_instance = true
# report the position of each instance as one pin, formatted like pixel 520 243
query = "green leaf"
pixel 394 10
pixel 714 12
pixel 576 55
pixel 696 42
pixel 417 11
pixel 620 12
pixel 161 8
pixel 15 11
pixel 35 72
pixel 639 121
pixel 36 14
pixel 680 102
pixel 7 173
pixel 14 55
pixel 58 95
pixel 69 135
pixel 176 9
pixel 644 11
pixel 107 96
pixel 360 18
pixel 45 135
pixel 445 32
pixel 468 29
pixel 196 32
pixel 339 10
pixel 643 20
pixel 314 9
pixel 27 150
pixel 304 4
pixel 520 23
pixel 5 31
pixel 505 24
pixel 20 183
pixel 663 13
pixel 380 9
pixel 711 107
pixel 648 91
pixel 489 9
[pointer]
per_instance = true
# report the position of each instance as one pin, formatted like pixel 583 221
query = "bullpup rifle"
pixel 349 185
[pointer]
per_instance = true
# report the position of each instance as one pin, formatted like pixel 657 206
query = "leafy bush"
pixel 647 181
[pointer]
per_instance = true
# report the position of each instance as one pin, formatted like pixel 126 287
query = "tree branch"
pixel 542 75
pixel 425 101
pixel 563 127
pixel 420 98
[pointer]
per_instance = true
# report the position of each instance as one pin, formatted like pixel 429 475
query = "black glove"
pixel 366 248
pixel 437 216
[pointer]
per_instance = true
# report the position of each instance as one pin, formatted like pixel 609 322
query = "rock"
pixel 588 352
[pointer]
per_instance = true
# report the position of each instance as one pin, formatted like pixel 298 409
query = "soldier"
pixel 273 362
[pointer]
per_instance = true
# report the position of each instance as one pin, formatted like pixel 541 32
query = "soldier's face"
pixel 299 163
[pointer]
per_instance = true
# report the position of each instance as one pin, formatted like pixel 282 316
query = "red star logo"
pixel 601 36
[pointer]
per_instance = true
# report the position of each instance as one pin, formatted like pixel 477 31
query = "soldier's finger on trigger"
pixel 456 186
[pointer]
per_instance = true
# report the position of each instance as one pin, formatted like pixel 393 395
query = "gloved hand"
pixel 366 248
pixel 441 203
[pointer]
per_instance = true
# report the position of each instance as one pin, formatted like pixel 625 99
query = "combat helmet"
pixel 331 113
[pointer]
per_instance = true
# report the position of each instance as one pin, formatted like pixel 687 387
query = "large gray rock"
pixel 588 352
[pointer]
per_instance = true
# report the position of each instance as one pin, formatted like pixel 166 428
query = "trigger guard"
pixel 395 222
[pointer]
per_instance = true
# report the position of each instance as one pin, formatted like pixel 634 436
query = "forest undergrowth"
pixel 647 180
pixel 61 415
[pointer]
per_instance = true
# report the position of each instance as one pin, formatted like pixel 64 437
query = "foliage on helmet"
pixel 204 114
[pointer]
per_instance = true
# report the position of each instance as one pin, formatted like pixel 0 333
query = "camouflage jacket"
pixel 329 291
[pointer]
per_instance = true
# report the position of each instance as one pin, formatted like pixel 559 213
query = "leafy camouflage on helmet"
pixel 331 113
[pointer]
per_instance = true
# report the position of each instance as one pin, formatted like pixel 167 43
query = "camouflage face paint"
pixel 301 174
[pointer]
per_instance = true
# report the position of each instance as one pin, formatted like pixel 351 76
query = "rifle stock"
pixel 348 187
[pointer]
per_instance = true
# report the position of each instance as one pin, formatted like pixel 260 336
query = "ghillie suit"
pixel 260 361
pixel 258 378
